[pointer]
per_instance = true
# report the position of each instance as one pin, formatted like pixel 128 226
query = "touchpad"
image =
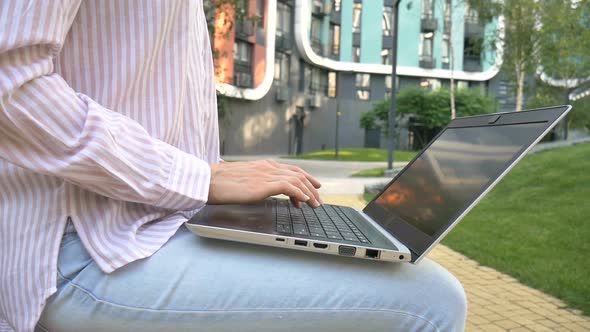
pixel 250 217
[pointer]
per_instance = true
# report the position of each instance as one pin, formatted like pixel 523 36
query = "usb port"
pixel 280 239
pixel 301 243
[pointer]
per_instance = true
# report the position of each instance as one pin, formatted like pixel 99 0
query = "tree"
pixel 519 37
pixel 426 111
pixel 565 44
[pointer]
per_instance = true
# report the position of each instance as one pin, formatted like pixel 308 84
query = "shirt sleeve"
pixel 48 128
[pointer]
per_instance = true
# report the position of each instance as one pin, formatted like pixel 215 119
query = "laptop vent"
pixel 346 250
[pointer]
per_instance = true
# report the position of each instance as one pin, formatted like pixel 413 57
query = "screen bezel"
pixel 419 242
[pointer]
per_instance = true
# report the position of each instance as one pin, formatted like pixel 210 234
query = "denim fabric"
pixel 198 284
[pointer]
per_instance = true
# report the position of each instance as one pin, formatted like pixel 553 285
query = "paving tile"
pixel 547 323
pixel 490 328
pixel 539 328
pixel 575 327
pixel 507 324
pixel 520 329
pixel 477 319
pixel 496 301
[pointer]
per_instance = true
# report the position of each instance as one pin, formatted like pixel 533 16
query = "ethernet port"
pixel 372 253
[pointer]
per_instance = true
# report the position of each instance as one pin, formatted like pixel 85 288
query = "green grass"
pixel 356 154
pixel 373 172
pixel 534 226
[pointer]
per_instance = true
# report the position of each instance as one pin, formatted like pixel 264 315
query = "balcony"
pixel 447 26
pixel 283 42
pixel 473 28
pixel 387 42
pixel 282 94
pixel 244 29
pixel 321 9
pixel 472 63
pixel 356 39
pixel 335 17
pixel 427 62
pixel 428 23
pixel 315 100
pixel 316 46
pixel 445 63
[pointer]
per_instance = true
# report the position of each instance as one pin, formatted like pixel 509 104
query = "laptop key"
pixel 285 229
pixel 322 235
pixel 300 229
pixel 316 230
pixel 334 236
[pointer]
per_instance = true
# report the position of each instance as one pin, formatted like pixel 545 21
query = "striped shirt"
pixel 107 116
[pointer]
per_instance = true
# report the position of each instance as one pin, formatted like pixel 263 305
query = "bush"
pixel 427 111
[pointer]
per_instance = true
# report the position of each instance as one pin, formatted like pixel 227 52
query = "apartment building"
pixel 297 74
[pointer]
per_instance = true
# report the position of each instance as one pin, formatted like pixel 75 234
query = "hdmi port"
pixel 320 245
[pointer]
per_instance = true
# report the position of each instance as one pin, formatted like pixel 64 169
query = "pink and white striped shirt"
pixel 108 116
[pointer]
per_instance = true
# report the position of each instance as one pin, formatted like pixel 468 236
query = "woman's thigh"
pixel 197 284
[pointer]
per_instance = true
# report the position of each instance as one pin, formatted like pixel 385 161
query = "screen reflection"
pixel 452 173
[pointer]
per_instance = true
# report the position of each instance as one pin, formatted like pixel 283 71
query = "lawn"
pixel 534 226
pixel 356 154
pixel 373 172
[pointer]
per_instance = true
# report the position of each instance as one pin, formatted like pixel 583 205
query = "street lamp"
pixel 389 170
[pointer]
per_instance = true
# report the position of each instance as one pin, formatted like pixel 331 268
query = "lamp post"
pixel 389 170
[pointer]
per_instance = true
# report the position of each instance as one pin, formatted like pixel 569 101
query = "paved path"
pixel 496 301
pixel 334 175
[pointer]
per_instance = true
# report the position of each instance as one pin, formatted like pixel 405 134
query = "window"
pixel 242 64
pixel 447 10
pixel 319 81
pixel 426 45
pixel 356 18
pixel 241 8
pixel 445 49
pixel 472 47
pixel 430 83
pixel 332 84
pixel 337 5
pixel 471 15
pixel 363 86
pixel 388 86
pixel 242 52
pixel 356 54
pixel 318 6
pixel 334 39
pixel 283 19
pixel 302 77
pixel 282 68
pixel 260 11
pixel 242 78
pixel 386 56
pixel 427 8
pixel 316 32
pixel 387 22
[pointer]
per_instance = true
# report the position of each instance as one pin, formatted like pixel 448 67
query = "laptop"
pixel 413 213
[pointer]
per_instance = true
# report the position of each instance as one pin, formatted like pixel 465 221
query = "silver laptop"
pixel 414 212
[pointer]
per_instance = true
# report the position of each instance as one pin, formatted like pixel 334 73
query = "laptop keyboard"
pixel 326 222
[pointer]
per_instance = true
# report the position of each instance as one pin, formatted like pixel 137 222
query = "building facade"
pixel 296 75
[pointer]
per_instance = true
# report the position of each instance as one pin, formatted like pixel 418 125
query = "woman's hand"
pixel 251 181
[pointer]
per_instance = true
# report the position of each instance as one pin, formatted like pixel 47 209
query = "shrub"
pixel 427 111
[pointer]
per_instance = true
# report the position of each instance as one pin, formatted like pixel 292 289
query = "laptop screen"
pixel 448 176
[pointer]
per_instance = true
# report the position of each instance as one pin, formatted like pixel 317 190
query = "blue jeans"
pixel 198 284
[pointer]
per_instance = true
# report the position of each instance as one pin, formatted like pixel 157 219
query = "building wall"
pixel 346 31
pixel 371 41
pixel 268 126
